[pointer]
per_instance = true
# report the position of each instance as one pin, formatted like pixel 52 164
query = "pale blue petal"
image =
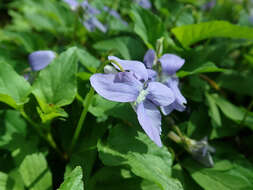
pixel 98 24
pixel 152 75
pixel 120 87
pixel 91 10
pixel 137 67
pixel 72 3
pixel 149 58
pixel 149 118
pixel 40 59
pixel 144 4
pixel 171 63
pixel 180 101
pixel 160 94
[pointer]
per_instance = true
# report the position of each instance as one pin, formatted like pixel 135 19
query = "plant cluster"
pixel 126 94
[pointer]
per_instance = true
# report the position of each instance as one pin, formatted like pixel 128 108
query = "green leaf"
pixel 35 172
pixel 190 34
pixel 112 178
pixel 56 85
pixel 142 165
pixel 29 41
pixel 73 181
pixel 47 15
pixel 4 181
pixel 103 108
pixel 88 60
pixel 147 25
pixel 7 183
pixel 85 153
pixel 11 124
pixel 125 145
pixel 237 82
pixel 234 113
pixel 188 183
pixel 14 89
pixel 208 67
pixel 233 174
pixel 126 46
pixel 213 109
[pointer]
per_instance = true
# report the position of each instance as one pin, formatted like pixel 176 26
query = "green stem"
pixel 87 102
pixel 116 63
pixel 48 138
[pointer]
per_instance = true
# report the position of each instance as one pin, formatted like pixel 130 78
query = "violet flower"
pixel 201 151
pixel 144 4
pixel 73 4
pixel 209 5
pixel 133 86
pixel 170 64
pixel 115 14
pixel 91 10
pixel 38 60
pixel 92 23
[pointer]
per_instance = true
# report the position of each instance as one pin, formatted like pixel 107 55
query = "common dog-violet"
pixel 144 4
pixel 40 59
pixel 134 86
pixel 169 64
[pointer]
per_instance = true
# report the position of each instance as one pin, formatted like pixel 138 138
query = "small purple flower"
pixel 90 10
pixel 170 64
pixel 201 151
pixel 92 23
pixel 144 4
pixel 149 58
pixel 115 14
pixel 40 59
pixel 133 86
pixel 73 4
pixel 209 5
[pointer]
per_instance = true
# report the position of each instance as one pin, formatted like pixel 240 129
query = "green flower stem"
pixel 87 102
pixel 116 63
pixel 48 137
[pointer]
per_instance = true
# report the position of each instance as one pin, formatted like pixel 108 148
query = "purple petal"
pixel 72 3
pixel 166 110
pixel 152 75
pixel 89 25
pixel 115 14
pixel 171 63
pixel 149 58
pixel 160 94
pixel 98 24
pixel 93 23
pixel 40 59
pixel 149 118
pixel 91 10
pixel 112 12
pixel 120 87
pixel 26 76
pixel 209 5
pixel 144 3
pixel 137 67
pixel 180 100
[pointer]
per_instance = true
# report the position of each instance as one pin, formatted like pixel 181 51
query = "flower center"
pixel 142 96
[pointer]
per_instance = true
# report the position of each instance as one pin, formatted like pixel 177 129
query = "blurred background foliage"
pixel 113 152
